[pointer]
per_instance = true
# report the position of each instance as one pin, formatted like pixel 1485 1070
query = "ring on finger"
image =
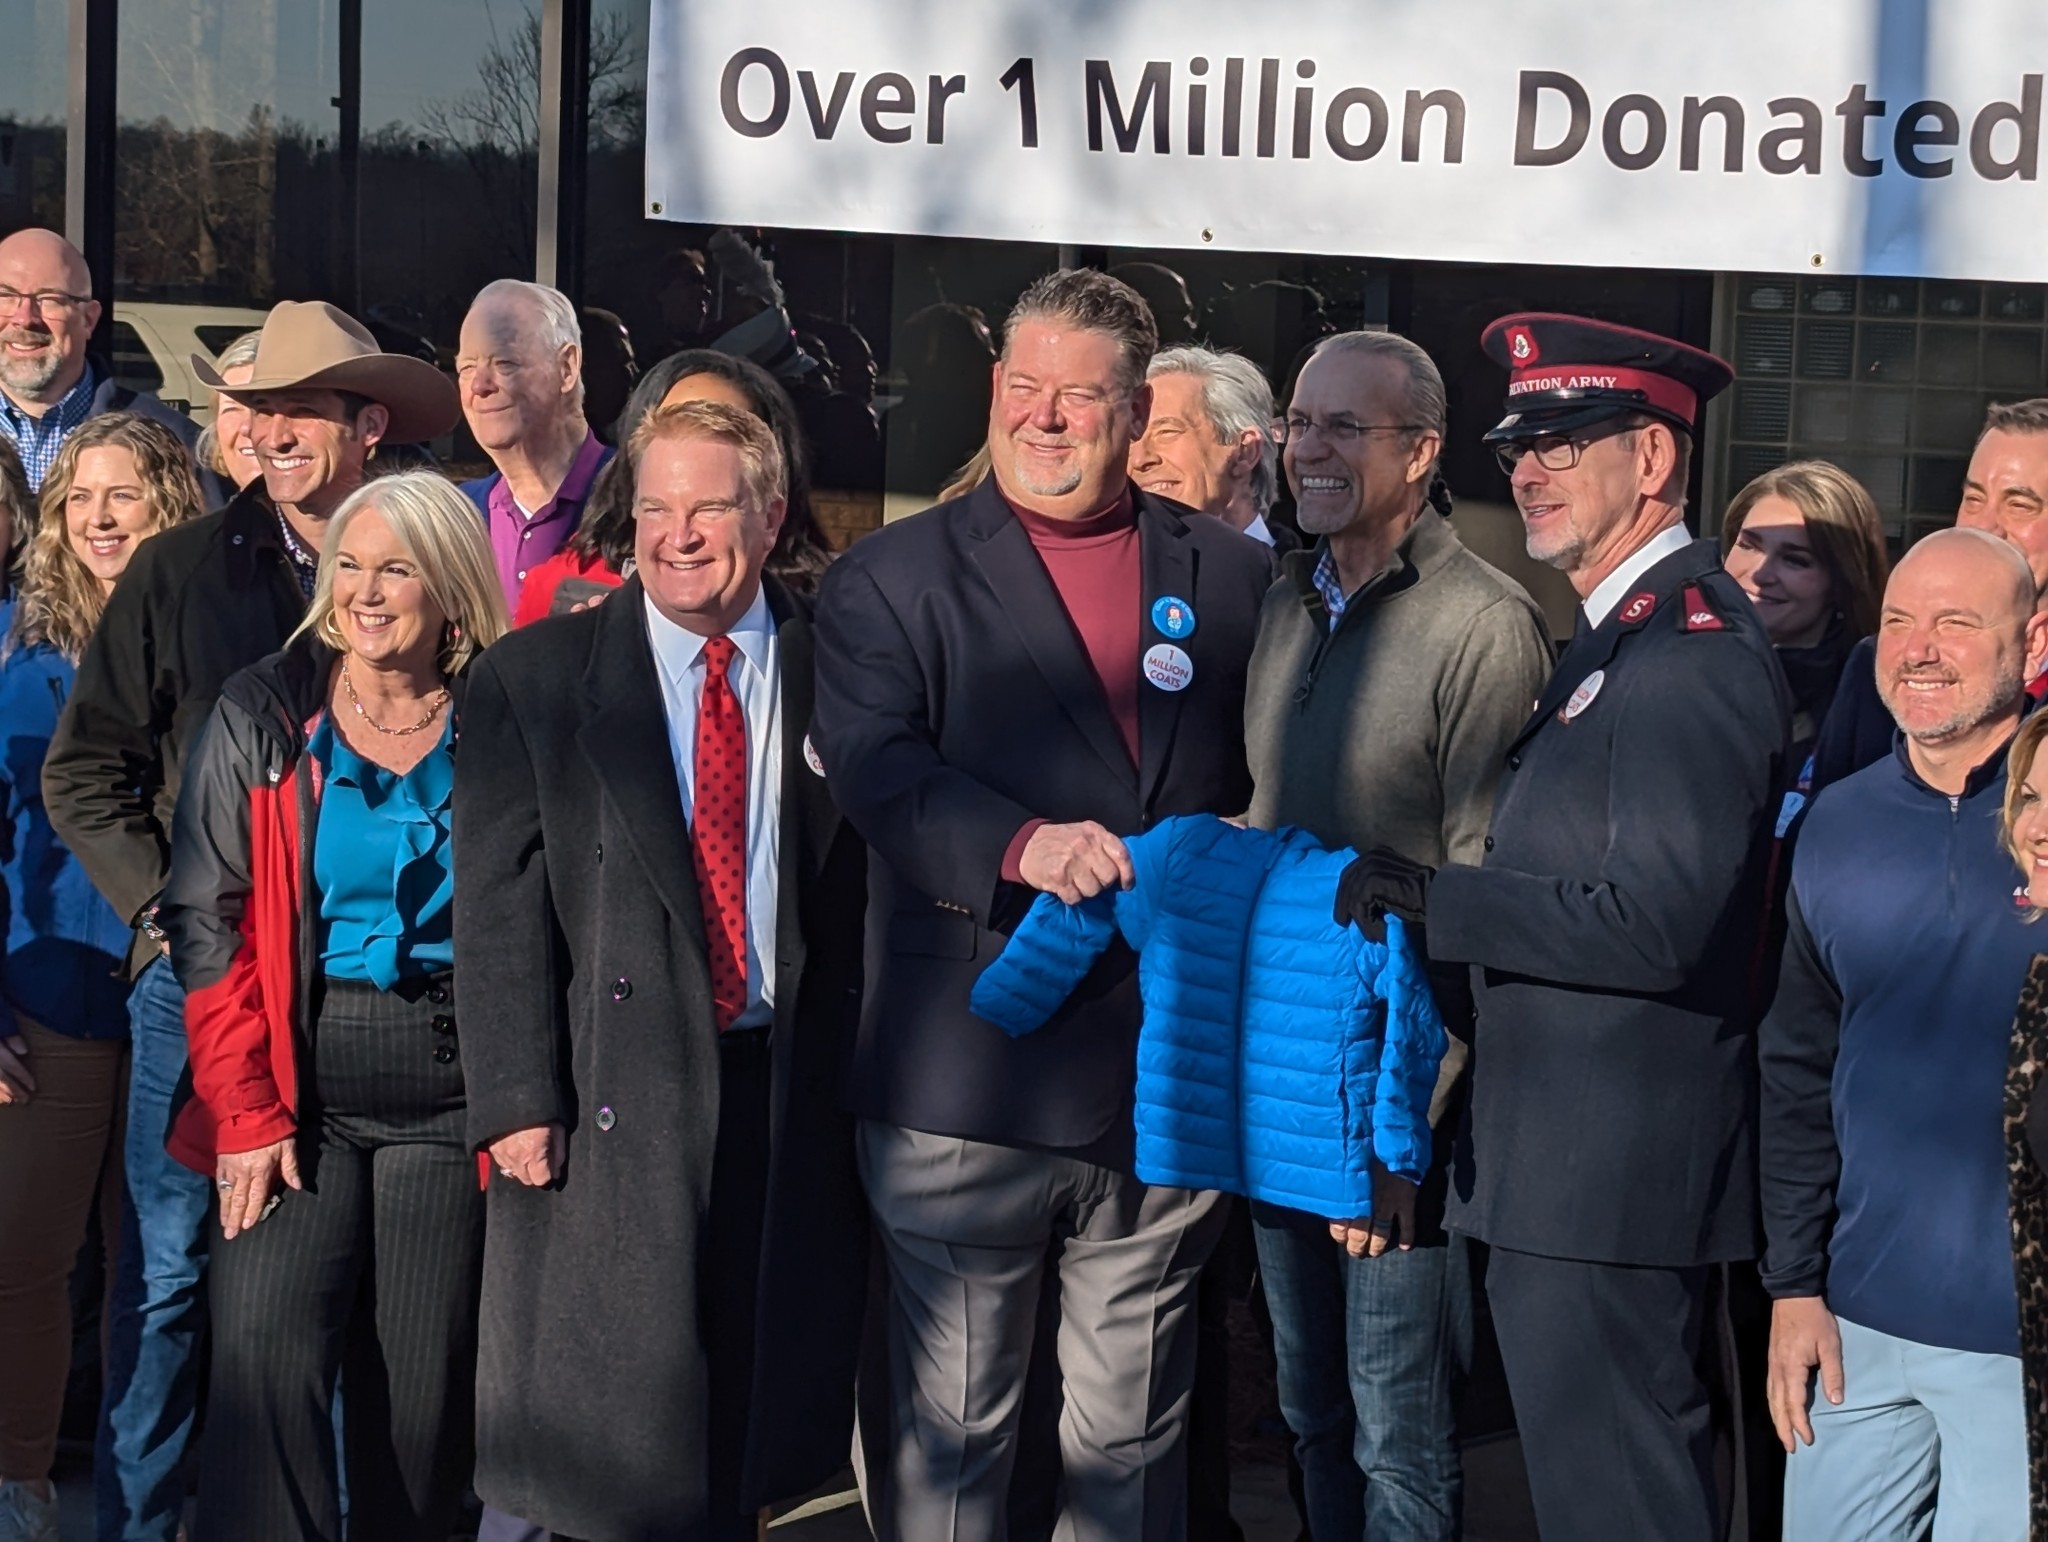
pixel 225 1185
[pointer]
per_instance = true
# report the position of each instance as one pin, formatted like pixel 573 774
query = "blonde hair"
pixel 761 462
pixel 61 599
pixel 443 534
pixel 1843 524
pixel 2019 763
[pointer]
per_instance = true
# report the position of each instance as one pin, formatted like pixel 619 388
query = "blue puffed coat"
pixel 1280 1051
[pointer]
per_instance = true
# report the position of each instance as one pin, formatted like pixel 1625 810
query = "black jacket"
pixel 1612 924
pixel 955 705
pixel 579 938
pixel 197 603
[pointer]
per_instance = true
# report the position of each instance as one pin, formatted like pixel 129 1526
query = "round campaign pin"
pixel 1173 615
pixel 1582 698
pixel 812 758
pixel 1168 667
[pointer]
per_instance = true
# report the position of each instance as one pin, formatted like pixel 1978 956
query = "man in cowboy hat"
pixel 197 604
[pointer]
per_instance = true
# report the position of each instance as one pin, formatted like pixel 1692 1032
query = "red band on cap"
pixel 1587 379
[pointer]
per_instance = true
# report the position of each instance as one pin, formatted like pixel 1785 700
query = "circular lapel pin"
pixel 1582 698
pixel 1173 615
pixel 812 758
pixel 1168 667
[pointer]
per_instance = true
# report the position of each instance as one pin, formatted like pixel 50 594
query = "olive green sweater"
pixel 1392 729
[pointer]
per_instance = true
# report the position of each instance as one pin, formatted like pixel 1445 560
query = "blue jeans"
pixel 1925 1441
pixel 159 1299
pixel 1371 1354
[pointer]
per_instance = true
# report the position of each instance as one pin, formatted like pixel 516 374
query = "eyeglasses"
pixel 1296 428
pixel 1553 452
pixel 48 302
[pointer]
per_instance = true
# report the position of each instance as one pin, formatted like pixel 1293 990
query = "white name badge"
pixel 1582 698
pixel 1169 667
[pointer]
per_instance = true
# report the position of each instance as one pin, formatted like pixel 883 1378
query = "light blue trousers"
pixel 1927 1445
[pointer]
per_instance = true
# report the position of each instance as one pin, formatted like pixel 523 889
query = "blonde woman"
pixel 63 1005
pixel 309 910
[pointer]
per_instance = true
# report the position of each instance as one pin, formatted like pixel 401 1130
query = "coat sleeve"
pixel 943 830
pixel 1411 1050
pixel 1057 944
pixel 1693 781
pixel 514 1047
pixel 106 748
pixel 1483 702
pixel 1797 1152
pixel 1858 729
pixel 204 913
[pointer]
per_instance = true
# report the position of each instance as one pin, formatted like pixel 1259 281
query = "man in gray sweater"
pixel 1393 669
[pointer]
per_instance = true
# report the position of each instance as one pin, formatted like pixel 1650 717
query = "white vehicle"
pixel 154 343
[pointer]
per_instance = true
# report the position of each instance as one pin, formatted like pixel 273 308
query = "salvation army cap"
pixel 1566 372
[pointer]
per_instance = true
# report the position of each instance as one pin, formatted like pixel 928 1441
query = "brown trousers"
pixel 58 1152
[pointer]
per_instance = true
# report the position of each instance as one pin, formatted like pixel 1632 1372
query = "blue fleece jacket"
pixel 1884 1058
pixel 1279 1051
pixel 65 945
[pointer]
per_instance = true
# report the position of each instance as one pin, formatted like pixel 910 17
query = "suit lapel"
pixel 1024 590
pixel 624 737
pixel 1168 557
pixel 1596 649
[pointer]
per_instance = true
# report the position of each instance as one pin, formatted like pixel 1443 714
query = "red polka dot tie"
pixel 718 833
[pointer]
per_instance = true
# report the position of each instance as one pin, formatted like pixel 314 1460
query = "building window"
pixel 33 114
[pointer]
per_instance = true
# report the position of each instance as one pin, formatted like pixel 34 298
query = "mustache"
pixel 1933 674
pixel 26 335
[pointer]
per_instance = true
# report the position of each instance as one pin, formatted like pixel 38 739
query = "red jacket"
pixel 560 582
pixel 240 907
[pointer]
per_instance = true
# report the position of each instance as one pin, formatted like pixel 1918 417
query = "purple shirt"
pixel 522 542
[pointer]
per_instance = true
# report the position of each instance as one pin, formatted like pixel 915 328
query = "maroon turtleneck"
pixel 1096 567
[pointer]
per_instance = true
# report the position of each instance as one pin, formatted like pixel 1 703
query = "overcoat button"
pixel 444 1024
pixel 621 988
pixel 1489 843
pixel 443 1053
pixel 606 1118
pixel 438 994
pixel 1514 762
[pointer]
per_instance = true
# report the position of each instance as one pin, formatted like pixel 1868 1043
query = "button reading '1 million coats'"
pixel 1169 667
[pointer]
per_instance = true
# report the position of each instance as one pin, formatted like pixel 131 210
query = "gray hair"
pixel 1090 301
pixel 2028 417
pixel 559 327
pixel 1237 399
pixel 1427 405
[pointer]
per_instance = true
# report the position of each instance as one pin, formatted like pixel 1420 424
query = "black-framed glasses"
pixel 1553 452
pixel 1296 425
pixel 46 302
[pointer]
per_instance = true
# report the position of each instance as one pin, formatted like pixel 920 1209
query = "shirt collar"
pixel 676 648
pixel 575 486
pixel 1259 530
pixel 70 409
pixel 1612 589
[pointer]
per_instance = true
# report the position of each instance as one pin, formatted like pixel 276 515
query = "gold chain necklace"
pixel 433 709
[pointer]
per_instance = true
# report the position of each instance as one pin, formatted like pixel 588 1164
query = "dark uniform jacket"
pixel 579 937
pixel 197 603
pixel 955 705
pixel 1614 1095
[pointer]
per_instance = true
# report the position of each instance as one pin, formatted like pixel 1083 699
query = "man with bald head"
pixel 1894 1375
pixel 519 363
pixel 48 385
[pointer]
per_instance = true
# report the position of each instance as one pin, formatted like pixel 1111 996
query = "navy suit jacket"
pixel 955 704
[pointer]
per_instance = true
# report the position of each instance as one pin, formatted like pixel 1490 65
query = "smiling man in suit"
pixel 660 908
pixel 1007 684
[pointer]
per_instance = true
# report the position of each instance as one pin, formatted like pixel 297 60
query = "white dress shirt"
pixel 1615 587
pixel 1259 530
pixel 756 677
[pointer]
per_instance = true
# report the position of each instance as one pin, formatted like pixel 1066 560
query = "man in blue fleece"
pixel 1883 1063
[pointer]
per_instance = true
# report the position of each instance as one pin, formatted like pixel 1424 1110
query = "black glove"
pixel 1380 883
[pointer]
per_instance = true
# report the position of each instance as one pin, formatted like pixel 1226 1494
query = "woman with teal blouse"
pixel 310 917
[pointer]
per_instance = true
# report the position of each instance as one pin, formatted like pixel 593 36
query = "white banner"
pixel 1852 136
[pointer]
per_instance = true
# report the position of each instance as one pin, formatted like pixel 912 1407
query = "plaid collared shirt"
pixel 38 440
pixel 1330 587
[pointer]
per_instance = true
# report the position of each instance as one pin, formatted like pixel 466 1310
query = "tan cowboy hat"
pixel 309 345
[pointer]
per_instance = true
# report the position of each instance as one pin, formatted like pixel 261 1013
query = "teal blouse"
pixel 382 862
